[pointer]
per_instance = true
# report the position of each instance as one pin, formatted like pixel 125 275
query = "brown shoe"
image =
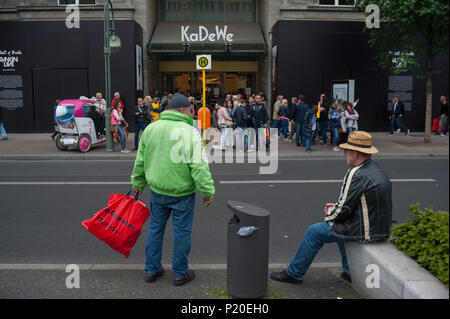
pixel 183 280
pixel 152 278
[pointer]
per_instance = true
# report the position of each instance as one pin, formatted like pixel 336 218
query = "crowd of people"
pixel 238 117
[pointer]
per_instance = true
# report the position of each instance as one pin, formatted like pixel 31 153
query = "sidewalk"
pixel 40 146
pixel 319 283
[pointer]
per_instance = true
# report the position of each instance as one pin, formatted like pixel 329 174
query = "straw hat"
pixel 360 141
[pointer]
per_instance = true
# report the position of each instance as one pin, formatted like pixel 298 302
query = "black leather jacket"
pixel 364 209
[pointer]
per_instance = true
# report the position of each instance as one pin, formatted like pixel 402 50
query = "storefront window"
pixel 208 10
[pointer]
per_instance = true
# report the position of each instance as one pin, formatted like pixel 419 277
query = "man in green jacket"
pixel 172 161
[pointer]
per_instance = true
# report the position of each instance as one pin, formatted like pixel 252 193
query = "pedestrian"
pixel 173 184
pixel 225 123
pixel 155 109
pixel 120 104
pixel 259 116
pixel 335 124
pixel 98 119
pixel 309 126
pixel 101 102
pixel 351 118
pixel 142 119
pixel 362 213
pixel 283 114
pixel 275 116
pixel 398 110
pixel 299 115
pixel 443 121
pixel 148 101
pixel 241 118
pixel 116 122
pixel 323 119
pixel 215 118
pixel 2 126
pixel 230 111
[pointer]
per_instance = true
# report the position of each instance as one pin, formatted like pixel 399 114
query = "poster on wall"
pixel 340 91
pixel 139 84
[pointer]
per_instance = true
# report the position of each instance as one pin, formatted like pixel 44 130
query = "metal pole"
pixel 107 52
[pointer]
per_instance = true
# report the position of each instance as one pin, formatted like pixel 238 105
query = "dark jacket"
pixel 299 112
pixel 283 110
pixel 307 123
pixel 400 110
pixel 142 114
pixel 1 115
pixel 259 114
pixel 364 209
pixel 240 117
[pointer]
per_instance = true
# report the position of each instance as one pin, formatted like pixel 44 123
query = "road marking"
pixel 142 266
pixel 293 181
pixel 312 181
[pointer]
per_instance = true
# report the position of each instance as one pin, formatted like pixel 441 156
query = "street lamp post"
pixel 111 45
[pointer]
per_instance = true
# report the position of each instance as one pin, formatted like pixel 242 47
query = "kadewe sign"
pixel 204 34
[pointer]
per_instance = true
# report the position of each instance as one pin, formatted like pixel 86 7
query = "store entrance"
pixel 218 84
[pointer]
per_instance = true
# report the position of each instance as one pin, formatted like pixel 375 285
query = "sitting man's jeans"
pixel 182 210
pixel 316 235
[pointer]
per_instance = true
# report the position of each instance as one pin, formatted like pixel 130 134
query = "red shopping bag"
pixel 119 224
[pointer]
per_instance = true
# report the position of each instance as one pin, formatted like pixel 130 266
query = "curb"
pixel 400 277
pixel 77 157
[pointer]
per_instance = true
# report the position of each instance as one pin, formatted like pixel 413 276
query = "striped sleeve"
pixel 350 197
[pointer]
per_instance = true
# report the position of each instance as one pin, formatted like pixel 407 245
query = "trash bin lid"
pixel 247 208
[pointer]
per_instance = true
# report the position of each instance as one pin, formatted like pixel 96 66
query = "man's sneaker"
pixel 398 130
pixel 336 149
pixel 284 277
pixel 4 139
pixel 125 151
pixel 249 151
pixel 152 278
pixel 183 280
pixel 407 132
pixel 442 134
pixel 346 276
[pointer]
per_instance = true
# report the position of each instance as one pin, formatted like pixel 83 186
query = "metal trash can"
pixel 248 251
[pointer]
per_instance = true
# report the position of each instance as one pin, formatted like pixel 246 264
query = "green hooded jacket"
pixel 171 158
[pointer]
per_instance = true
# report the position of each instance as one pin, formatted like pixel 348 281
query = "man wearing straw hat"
pixel 362 213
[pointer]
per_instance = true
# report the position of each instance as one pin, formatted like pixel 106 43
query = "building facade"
pixel 283 47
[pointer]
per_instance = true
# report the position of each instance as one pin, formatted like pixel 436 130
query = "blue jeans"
pixel 257 127
pixel 298 133
pixel 182 210
pixel 308 140
pixel 334 135
pixel 284 127
pixel 316 235
pixel 243 131
pixel 2 131
pixel 123 141
pixel 276 124
pixel 138 126
pixel 398 121
pixel 323 131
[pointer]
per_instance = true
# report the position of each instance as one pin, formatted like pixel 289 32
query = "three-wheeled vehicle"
pixel 75 127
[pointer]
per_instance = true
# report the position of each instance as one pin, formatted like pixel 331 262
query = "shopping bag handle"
pixel 135 196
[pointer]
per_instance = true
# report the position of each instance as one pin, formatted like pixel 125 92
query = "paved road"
pixel 41 222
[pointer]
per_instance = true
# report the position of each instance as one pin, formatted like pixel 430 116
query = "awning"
pixel 207 37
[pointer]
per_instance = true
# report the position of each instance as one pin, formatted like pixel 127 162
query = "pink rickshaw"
pixel 75 128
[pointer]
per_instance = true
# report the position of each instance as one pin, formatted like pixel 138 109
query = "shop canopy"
pixel 207 37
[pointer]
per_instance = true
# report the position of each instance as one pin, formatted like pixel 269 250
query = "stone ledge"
pixel 400 276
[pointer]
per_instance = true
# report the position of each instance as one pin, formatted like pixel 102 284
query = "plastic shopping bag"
pixel 119 224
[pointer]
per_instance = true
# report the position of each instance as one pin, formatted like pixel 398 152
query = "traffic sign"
pixel 203 62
